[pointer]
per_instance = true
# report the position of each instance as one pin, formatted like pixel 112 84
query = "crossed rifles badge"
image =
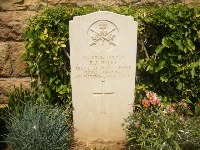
pixel 103 36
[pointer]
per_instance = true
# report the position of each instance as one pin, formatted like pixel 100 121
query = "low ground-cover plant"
pixel 153 125
pixel 3 129
pixel 38 127
pixel 34 123
pixel 18 97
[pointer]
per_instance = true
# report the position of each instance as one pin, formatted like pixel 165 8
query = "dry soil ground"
pixel 96 145
pixel 99 145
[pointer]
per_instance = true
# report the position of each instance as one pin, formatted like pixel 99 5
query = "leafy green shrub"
pixel 170 58
pixel 47 54
pixel 155 126
pixel 39 128
pixel 168 54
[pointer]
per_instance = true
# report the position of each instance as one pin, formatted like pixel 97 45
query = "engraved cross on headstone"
pixel 103 93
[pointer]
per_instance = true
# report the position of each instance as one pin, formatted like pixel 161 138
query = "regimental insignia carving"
pixel 103 36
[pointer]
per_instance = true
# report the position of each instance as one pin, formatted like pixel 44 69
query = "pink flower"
pixel 150 95
pixel 137 125
pixel 133 108
pixel 184 104
pixel 199 104
pixel 146 103
pixel 155 101
pixel 153 98
pixel 174 105
pixel 181 119
pixel 169 109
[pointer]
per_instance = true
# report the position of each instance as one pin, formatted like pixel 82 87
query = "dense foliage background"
pixel 171 43
pixel 168 60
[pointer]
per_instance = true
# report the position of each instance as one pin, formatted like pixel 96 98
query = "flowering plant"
pixel 152 99
pixel 154 125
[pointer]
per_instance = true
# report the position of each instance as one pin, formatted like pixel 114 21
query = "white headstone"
pixel 103 49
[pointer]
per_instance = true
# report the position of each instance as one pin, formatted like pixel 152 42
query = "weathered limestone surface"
pixel 38 4
pixel 11 65
pixel 12 24
pixel 7 84
pixel 21 4
pixel 10 59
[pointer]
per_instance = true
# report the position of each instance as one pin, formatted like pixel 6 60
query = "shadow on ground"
pixel 3 131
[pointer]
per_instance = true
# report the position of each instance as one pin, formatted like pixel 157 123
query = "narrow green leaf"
pixel 62 45
pixel 51 80
pixel 149 68
pixel 48 92
pixel 179 57
pixel 179 44
pixel 166 42
pixel 55 58
pixel 179 69
pixel 29 63
pixel 177 147
pixel 45 31
pixel 161 65
pixel 188 100
pixel 198 34
pixel 192 72
pixel 65 88
pixel 163 79
pixel 58 89
pixel 179 86
pixel 193 65
pixel 42 45
pixel 182 76
pixel 190 44
pixel 197 109
pixel 159 49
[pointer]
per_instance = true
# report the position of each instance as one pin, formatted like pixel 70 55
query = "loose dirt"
pixel 99 145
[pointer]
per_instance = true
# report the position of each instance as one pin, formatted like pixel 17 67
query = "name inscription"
pixel 103 67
